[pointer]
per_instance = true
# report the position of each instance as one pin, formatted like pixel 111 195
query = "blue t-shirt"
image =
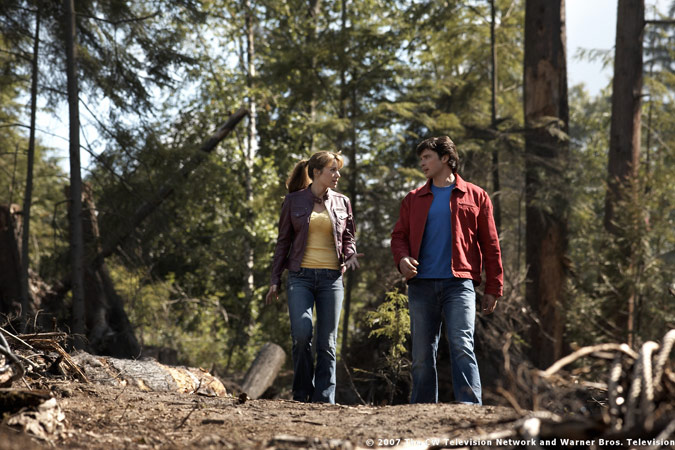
pixel 436 250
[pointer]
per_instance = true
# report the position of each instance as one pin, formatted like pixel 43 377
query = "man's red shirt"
pixel 475 242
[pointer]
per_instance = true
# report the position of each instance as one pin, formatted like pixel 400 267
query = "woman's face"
pixel 328 176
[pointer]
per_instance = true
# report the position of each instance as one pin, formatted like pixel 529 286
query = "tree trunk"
pixel 342 113
pixel 546 115
pixel 496 198
pixel 28 195
pixel 109 331
pixel 251 149
pixel 10 288
pixel 624 139
pixel 624 142
pixel 313 13
pixel 241 336
pixel 76 240
pixel 264 370
pixel 353 191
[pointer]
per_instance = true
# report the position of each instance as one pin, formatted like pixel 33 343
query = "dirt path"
pixel 108 417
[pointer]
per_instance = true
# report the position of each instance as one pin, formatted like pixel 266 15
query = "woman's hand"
pixel 353 262
pixel 272 295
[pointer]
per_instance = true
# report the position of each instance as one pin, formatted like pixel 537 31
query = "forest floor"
pixel 97 416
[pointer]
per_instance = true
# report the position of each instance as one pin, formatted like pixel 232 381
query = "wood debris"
pixel 37 358
pixel 42 422
pixel 637 401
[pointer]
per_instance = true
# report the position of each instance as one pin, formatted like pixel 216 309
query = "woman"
pixel 316 244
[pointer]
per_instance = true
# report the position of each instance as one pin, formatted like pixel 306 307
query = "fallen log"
pixel 149 375
pixel 264 370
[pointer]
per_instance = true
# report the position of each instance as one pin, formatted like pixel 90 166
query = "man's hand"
pixel 489 303
pixel 353 262
pixel 272 295
pixel 408 267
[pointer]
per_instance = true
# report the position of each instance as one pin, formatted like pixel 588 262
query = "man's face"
pixel 431 164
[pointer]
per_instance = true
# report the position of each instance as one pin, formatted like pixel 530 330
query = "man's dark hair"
pixel 442 145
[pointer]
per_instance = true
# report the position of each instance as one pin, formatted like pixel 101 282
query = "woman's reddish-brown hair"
pixel 303 172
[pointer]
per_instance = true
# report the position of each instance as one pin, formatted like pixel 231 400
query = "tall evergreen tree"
pixel 625 141
pixel 624 145
pixel 28 192
pixel 75 210
pixel 546 147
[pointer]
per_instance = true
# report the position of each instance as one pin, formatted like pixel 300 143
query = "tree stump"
pixel 264 370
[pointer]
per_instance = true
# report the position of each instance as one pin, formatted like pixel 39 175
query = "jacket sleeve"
pixel 284 241
pixel 488 240
pixel 349 234
pixel 400 237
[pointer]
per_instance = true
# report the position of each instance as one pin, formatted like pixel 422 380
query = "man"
pixel 444 236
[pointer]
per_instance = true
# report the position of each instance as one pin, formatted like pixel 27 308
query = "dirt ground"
pixel 112 417
pixel 81 401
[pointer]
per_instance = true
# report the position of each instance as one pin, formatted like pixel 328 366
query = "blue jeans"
pixel 307 288
pixel 452 300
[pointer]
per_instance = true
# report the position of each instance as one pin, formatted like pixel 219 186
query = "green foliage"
pixel 166 74
pixel 389 327
pixel 603 278
pixel 48 238
pixel 371 85
pixel 391 321
pixel 166 316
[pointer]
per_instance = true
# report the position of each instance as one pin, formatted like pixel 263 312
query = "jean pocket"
pixel 466 283
pixel 296 273
pixel 334 274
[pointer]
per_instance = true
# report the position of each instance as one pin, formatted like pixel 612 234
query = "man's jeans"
pixel 454 301
pixel 307 288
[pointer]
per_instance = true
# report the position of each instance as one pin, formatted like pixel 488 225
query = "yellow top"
pixel 320 251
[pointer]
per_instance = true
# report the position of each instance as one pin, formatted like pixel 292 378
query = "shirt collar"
pixel 459 184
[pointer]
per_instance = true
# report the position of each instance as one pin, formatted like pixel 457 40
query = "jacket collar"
pixel 310 195
pixel 459 184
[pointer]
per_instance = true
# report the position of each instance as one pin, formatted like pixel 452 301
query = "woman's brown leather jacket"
pixel 294 226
